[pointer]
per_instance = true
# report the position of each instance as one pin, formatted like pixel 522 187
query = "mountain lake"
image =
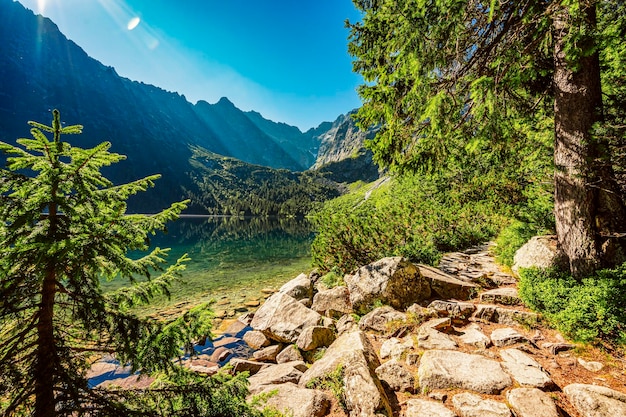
pixel 235 261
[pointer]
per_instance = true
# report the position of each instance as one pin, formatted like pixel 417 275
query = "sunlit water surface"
pixel 234 261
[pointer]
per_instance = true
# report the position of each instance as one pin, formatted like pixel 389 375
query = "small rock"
pixel 555 348
pixel 472 335
pixel 506 336
pixel 276 374
pixel 590 366
pixel 267 354
pixel 422 408
pixel 507 296
pixel 300 288
pixel 242 365
pixel 394 348
pixel 446 286
pixel 429 338
pixel 397 377
pixel 334 302
pixel 220 354
pixel 256 339
pixel 345 324
pixel 441 324
pixel 313 337
pixel 531 402
pixel 379 319
pixel 470 405
pixel 453 309
pixel 289 354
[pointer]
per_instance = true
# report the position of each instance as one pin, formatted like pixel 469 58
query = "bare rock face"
pixel 506 336
pixel 473 335
pixel 282 318
pixel 394 348
pixel 355 356
pixel 290 399
pixel 531 402
pixel 334 302
pixel 442 369
pixel 471 405
pixel 393 281
pixel 506 295
pixel 539 251
pixel 446 286
pixel 596 401
pixel 454 309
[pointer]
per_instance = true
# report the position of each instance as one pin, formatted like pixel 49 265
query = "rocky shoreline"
pixel 401 339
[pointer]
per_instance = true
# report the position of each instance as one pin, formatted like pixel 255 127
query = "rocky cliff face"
pixel 342 153
pixel 158 130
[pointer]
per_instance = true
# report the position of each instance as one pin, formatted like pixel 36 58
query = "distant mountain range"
pixel 161 132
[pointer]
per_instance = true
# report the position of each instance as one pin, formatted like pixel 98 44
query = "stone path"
pixel 458 342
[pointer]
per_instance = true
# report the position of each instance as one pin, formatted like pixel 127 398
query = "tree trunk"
pixel 47 360
pixel 587 205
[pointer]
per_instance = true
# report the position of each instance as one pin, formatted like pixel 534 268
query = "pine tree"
pixel 448 75
pixel 65 228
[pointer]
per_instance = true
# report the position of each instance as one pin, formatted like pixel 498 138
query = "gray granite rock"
pixel 289 354
pixel 378 320
pixel 429 338
pixel 256 339
pixel 394 348
pixel 396 376
pixel 531 402
pixel 300 288
pixel 267 354
pixel 596 401
pixel 276 374
pixel 313 337
pixel 454 309
pixel 447 286
pixel 506 295
pixel 524 369
pixel 473 335
pixel 334 302
pixel 506 336
pixel 443 369
pixel 471 405
pixel 295 401
pixel 394 281
pixel 418 407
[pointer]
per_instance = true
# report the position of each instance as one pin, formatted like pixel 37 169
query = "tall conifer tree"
pixel 64 228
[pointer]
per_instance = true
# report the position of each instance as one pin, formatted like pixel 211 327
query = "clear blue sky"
pixel 286 59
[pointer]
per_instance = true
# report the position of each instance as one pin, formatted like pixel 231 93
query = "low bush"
pixel 588 310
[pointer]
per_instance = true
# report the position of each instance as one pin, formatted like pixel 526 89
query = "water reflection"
pixel 234 257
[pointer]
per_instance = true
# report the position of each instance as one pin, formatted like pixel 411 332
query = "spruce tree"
pixel 64 229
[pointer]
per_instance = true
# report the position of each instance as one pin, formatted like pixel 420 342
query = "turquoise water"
pixel 234 261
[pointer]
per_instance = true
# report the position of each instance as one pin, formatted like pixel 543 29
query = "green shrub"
pixel 588 310
pixel 510 239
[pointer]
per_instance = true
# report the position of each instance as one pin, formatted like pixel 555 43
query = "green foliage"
pixel 510 239
pixel 587 309
pixel 332 382
pixel 228 186
pixel 333 278
pixel 64 228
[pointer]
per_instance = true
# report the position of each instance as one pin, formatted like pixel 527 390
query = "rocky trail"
pixel 409 340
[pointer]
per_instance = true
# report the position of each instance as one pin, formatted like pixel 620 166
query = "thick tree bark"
pixel 587 205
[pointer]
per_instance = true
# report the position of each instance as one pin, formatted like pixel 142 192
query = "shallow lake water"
pixel 234 261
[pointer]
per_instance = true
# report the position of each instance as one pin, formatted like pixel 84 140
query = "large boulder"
pixel 539 252
pixel 300 288
pixel 396 376
pixel 282 318
pixel 314 337
pixel 596 401
pixel 446 286
pixel 292 400
pixel 353 354
pixel 442 369
pixel 393 281
pixel 334 302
